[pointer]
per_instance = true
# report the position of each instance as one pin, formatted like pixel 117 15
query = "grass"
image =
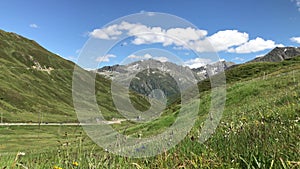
pixel 259 129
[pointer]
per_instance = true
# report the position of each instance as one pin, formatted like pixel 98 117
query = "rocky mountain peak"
pixel 279 54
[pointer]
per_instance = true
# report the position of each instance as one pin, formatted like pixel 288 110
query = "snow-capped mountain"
pixel 146 75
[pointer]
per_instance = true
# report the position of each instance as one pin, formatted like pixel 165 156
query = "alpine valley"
pixel 259 128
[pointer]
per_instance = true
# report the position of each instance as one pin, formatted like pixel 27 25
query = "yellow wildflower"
pixel 75 163
pixel 244 118
pixel 56 167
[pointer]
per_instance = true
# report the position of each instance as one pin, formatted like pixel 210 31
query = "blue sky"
pixel 63 27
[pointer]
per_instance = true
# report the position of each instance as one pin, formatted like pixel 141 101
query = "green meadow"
pixel 259 128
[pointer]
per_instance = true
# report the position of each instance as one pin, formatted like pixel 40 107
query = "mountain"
pixel 33 81
pixel 36 85
pixel 199 73
pixel 279 54
pixel 204 72
pixel 146 75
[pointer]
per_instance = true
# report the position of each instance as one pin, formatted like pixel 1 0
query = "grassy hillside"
pixel 252 70
pixel 36 85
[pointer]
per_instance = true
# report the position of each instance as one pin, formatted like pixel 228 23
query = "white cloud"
pixel 197 62
pixel 149 38
pixel 295 39
pixel 105 58
pixel 149 35
pixel 185 34
pixel 33 25
pixel 255 45
pixel 297 3
pixel 172 36
pixel 238 59
pixel 148 56
pixel 161 59
pixel 110 32
pixel 222 40
pixel 232 41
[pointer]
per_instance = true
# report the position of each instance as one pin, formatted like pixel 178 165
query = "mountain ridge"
pixel 278 54
pixel 148 75
pixel 200 73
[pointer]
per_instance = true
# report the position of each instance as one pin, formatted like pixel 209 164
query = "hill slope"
pixel 36 85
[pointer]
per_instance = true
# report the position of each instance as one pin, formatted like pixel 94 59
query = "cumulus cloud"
pixel 172 36
pixel 148 35
pixel 110 32
pixel 222 40
pixel 148 56
pixel 185 38
pixel 33 25
pixel 161 59
pixel 186 34
pixel 105 58
pixel 197 62
pixel 255 45
pixel 295 39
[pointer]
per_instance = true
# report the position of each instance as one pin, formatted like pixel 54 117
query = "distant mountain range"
pixel 200 73
pixel 276 55
pixel 153 74
pixel 161 78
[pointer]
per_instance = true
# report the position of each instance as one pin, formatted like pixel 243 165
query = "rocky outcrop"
pixel 279 54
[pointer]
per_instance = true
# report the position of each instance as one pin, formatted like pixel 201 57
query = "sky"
pixel 237 30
